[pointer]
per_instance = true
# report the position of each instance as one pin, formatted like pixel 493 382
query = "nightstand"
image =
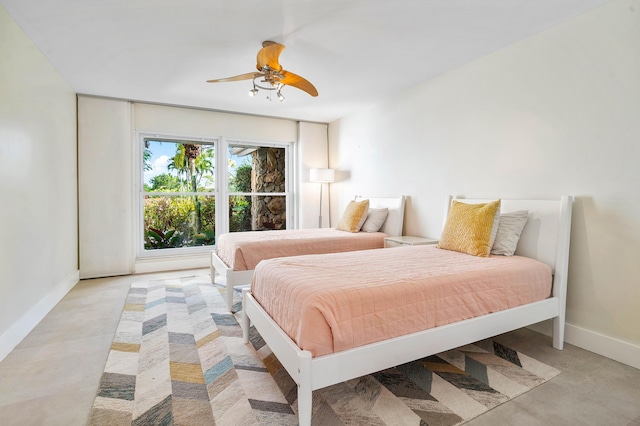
pixel 407 240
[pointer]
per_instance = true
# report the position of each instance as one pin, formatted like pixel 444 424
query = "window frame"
pixel 221 189
pixel 141 252
pixel 288 172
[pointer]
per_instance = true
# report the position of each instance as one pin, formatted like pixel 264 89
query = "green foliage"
pixel 193 173
pixel 205 238
pixel 179 163
pixel 167 212
pixel 147 158
pixel 164 183
pixel 163 215
pixel 208 213
pixel 240 206
pixel 156 239
pixel 242 180
pixel 204 168
pixel 240 213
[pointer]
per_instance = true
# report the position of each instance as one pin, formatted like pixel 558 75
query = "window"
pixel 187 185
pixel 178 194
pixel 257 186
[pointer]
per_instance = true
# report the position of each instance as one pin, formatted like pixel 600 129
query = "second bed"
pixel 333 317
pixel 238 253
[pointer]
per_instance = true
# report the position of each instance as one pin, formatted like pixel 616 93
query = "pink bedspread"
pixel 334 302
pixel 242 251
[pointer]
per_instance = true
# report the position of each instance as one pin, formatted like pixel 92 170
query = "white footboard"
pixel 231 278
pixel 316 373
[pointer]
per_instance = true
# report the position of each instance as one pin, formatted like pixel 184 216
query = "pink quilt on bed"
pixel 242 251
pixel 334 302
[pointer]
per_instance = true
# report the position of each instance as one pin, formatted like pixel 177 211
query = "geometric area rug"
pixel 177 358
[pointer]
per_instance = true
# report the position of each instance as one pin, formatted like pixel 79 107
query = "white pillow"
pixel 375 219
pixel 510 227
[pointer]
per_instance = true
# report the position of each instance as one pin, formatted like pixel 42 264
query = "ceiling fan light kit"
pixel 268 80
pixel 270 76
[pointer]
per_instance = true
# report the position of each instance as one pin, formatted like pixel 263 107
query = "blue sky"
pixel 162 152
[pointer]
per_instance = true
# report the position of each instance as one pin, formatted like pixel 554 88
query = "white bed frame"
pixel 392 227
pixel 545 237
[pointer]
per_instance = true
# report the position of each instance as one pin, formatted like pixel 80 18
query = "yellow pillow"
pixel 354 216
pixel 469 228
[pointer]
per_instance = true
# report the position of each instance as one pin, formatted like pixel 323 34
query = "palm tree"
pixel 192 164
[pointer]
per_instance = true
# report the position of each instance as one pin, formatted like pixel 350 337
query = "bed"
pixel 544 241
pixel 237 253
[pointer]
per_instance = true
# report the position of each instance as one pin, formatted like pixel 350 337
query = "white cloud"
pixel 158 167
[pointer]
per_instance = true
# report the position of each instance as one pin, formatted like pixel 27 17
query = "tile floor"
pixel 52 376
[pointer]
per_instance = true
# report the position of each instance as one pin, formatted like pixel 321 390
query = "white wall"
pixel 107 135
pixel 38 186
pixel 313 154
pixel 148 117
pixel 558 113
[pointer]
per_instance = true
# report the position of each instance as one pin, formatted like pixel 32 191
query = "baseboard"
pixel 617 350
pixel 21 328
pixel 144 266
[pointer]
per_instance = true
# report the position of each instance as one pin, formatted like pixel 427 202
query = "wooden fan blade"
pixel 294 80
pixel 268 56
pixel 247 76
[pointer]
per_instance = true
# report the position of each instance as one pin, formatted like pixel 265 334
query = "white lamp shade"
pixel 321 175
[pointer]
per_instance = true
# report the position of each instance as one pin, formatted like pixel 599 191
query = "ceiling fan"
pixel 270 75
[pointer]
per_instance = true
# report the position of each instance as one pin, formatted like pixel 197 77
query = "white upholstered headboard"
pixel 395 219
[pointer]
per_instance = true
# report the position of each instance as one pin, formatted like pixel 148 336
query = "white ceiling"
pixel 356 52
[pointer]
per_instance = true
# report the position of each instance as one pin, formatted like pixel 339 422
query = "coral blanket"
pixel 334 302
pixel 242 251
